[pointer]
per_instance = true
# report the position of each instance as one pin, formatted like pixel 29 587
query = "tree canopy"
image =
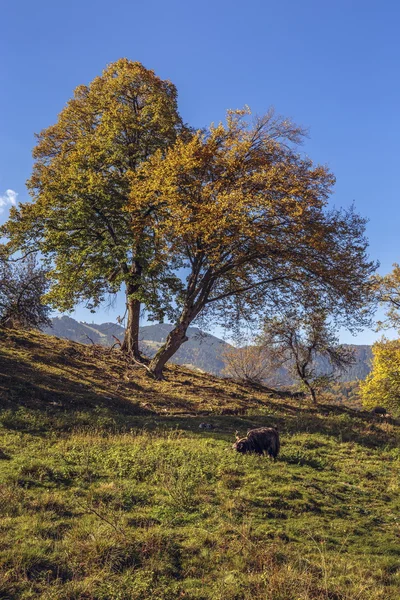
pixel 80 185
pixel 246 217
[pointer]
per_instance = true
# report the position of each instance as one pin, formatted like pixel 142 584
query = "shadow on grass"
pixel 23 385
pixel 62 381
pixel 75 405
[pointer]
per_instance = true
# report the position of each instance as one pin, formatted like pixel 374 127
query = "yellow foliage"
pixel 235 188
pixel 382 385
pixel 246 214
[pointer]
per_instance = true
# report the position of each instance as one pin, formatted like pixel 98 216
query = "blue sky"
pixel 331 66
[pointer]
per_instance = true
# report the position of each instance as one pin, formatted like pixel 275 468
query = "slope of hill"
pixel 202 351
pixel 109 488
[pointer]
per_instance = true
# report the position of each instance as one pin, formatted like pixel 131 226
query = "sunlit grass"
pixel 109 500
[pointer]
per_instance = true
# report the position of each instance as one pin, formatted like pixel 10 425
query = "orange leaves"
pixel 236 182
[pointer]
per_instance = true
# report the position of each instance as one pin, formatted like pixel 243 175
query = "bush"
pixel 22 285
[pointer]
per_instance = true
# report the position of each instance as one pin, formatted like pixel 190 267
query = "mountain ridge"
pixel 203 351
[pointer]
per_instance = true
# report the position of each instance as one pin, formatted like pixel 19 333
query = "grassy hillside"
pixel 109 489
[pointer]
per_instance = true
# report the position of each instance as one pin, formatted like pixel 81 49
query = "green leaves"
pixel 80 186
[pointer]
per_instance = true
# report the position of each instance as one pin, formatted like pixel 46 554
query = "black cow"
pixel 259 441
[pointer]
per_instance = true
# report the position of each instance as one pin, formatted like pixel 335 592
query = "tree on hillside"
pixel 382 385
pixel 246 217
pixel 250 364
pixel 388 293
pixel 22 285
pixel 80 185
pixel 297 338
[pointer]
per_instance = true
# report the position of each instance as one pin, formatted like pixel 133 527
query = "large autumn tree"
pixel 246 218
pixel 80 185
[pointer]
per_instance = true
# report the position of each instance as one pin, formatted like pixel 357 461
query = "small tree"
pixel 22 285
pixel 251 364
pixel 80 187
pixel 244 215
pixel 388 294
pixel 297 340
pixel 382 385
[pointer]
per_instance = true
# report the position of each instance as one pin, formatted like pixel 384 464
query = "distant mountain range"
pixel 202 351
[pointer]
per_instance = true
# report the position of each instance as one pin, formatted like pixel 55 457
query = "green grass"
pixel 123 497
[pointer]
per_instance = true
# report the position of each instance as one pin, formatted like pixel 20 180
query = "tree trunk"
pixel 312 392
pixel 174 341
pixel 195 302
pixel 130 344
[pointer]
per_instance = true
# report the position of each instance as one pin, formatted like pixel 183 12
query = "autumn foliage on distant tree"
pixel 80 185
pixel 382 385
pixel 246 216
